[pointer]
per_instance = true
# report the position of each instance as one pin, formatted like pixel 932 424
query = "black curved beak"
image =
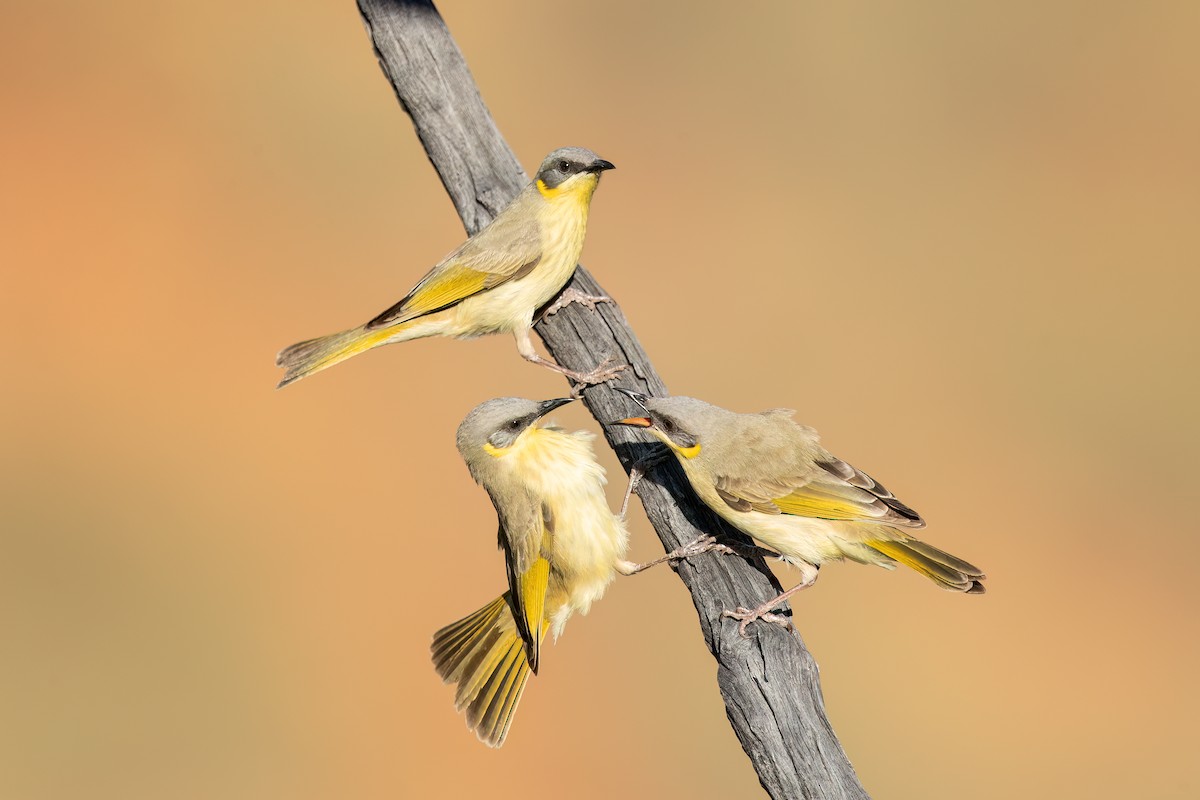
pixel 600 165
pixel 636 397
pixel 546 406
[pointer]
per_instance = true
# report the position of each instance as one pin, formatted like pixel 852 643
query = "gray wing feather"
pixel 507 249
pixel 523 525
pixel 774 458
pixel 840 470
pixel 521 529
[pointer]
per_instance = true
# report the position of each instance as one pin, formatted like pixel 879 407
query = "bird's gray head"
pixel 567 163
pixel 496 424
pixel 681 423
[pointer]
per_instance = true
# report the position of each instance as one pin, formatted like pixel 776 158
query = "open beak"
pixel 600 165
pixel 640 399
pixel 636 397
pixel 546 406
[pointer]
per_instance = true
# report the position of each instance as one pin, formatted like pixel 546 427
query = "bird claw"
pixel 747 615
pixel 702 544
pixel 573 295
pixel 606 371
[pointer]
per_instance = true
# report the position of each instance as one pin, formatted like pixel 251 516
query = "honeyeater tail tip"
pixel 308 357
pixel 486 657
pixel 947 571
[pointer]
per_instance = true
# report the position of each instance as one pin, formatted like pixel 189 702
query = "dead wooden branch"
pixel 769 682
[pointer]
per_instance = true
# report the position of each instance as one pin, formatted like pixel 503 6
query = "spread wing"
pixel 524 534
pixel 507 249
pixel 833 490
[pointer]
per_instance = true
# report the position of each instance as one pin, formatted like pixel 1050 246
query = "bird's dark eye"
pixel 667 425
pixel 564 166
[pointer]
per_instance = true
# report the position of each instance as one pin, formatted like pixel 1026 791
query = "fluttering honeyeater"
pixel 493 282
pixel 561 543
pixel 770 478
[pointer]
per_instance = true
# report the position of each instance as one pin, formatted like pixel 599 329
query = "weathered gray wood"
pixel 769 682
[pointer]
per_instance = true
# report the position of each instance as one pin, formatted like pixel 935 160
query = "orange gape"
pixel 771 478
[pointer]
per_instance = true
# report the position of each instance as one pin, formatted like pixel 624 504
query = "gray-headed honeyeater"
pixel 561 543
pixel 770 478
pixel 494 282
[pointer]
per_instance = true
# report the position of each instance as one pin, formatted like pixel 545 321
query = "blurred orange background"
pixel 961 240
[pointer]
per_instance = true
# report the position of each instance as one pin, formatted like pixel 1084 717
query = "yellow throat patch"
pixel 579 189
pixel 496 452
pixel 529 443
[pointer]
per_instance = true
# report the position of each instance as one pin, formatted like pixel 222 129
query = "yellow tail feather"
pixel 484 655
pixel 947 571
pixel 305 358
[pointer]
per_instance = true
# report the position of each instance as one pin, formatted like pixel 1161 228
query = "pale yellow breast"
pixel 564 226
pixel 587 539
pixel 510 306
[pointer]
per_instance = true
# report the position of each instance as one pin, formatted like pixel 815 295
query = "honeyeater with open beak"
pixel 494 282
pixel 770 478
pixel 561 543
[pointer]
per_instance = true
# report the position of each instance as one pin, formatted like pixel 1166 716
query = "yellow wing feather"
pixel 836 491
pixel 531 604
pixel 803 505
pixel 451 285
pixel 507 249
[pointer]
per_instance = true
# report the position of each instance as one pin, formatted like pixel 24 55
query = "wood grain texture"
pixel 769 682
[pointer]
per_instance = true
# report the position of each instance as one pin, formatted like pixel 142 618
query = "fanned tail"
pixel 947 571
pixel 485 656
pixel 304 358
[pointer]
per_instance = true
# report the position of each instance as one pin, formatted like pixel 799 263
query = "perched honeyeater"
pixel 493 282
pixel 561 543
pixel 770 478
